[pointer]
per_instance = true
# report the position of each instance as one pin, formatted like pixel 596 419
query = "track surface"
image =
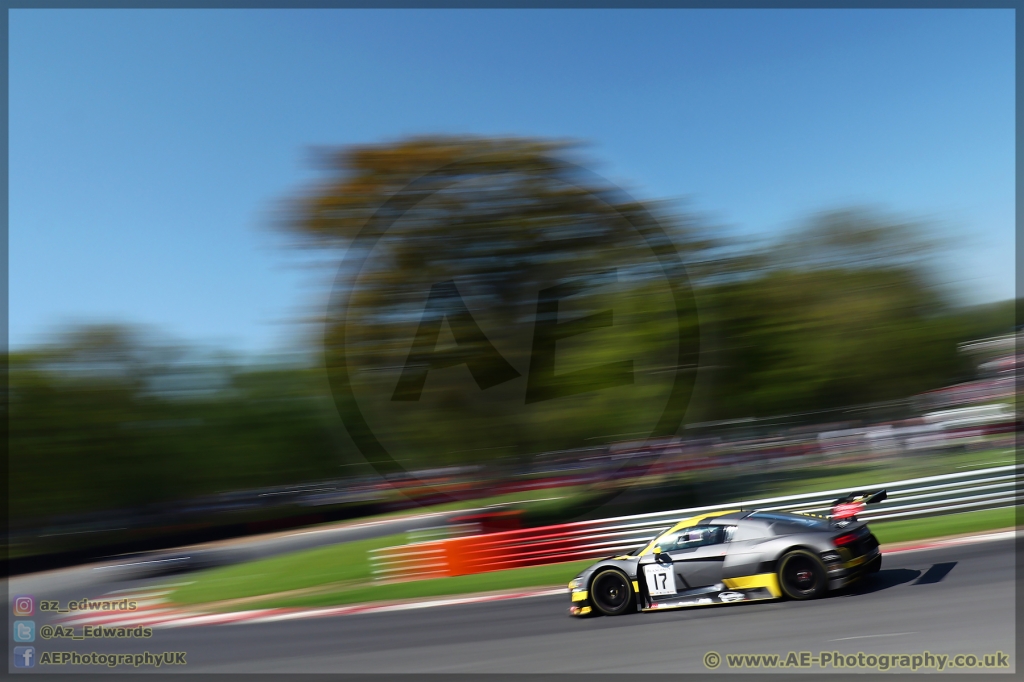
pixel 949 600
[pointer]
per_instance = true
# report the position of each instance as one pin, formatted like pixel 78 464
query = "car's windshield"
pixel 653 541
pixel 662 534
pixel 689 538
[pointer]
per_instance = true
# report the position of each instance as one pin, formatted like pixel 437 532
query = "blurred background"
pixel 188 191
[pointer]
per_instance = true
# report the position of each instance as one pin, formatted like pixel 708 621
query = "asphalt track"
pixel 951 600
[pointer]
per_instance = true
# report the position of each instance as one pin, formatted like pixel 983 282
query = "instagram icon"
pixel 24 605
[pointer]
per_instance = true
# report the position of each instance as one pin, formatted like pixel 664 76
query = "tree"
pixel 106 418
pixel 469 235
pixel 842 312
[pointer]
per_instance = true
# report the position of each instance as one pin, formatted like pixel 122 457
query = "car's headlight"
pixel 576 584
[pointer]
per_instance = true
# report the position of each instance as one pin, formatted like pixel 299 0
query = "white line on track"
pixel 890 634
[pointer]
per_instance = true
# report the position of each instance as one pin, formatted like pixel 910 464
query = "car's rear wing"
pixel 848 507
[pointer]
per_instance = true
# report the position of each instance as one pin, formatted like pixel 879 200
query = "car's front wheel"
pixel 802 575
pixel 611 592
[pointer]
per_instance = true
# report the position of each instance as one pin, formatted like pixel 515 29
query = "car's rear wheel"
pixel 611 593
pixel 802 575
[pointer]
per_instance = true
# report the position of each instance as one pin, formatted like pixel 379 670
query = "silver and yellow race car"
pixel 734 556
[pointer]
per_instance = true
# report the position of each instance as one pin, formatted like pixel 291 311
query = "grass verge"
pixel 906 530
pixel 320 568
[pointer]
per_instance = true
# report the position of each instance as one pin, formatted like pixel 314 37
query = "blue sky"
pixel 149 148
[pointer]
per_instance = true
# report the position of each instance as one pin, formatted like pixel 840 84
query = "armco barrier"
pixel 964 491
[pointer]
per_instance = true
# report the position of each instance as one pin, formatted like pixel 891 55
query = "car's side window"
pixel 751 530
pixel 730 531
pixel 698 536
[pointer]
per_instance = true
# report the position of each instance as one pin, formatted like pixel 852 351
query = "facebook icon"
pixel 24 657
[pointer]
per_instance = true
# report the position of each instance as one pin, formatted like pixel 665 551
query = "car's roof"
pixel 727 517
pixel 772 516
pixel 732 516
pixel 705 519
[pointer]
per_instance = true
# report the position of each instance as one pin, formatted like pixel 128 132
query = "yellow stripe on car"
pixel 770 581
pixel 857 561
pixel 579 596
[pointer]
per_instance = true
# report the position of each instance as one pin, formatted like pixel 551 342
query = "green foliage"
pixel 506 219
pixel 793 340
pixel 104 419
pixel 844 311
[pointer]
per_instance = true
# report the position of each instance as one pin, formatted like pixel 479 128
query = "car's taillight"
pixel 845 539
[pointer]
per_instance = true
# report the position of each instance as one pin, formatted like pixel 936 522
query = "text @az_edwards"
pixel 838 661
pixel 95 632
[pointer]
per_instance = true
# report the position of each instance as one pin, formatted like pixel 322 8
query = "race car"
pixel 734 556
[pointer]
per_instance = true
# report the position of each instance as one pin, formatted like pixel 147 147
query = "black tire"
pixel 611 592
pixel 802 575
pixel 874 566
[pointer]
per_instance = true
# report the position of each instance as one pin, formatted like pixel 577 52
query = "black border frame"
pixel 526 4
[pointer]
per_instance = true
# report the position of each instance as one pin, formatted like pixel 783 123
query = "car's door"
pixel 698 556
pixel 747 553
